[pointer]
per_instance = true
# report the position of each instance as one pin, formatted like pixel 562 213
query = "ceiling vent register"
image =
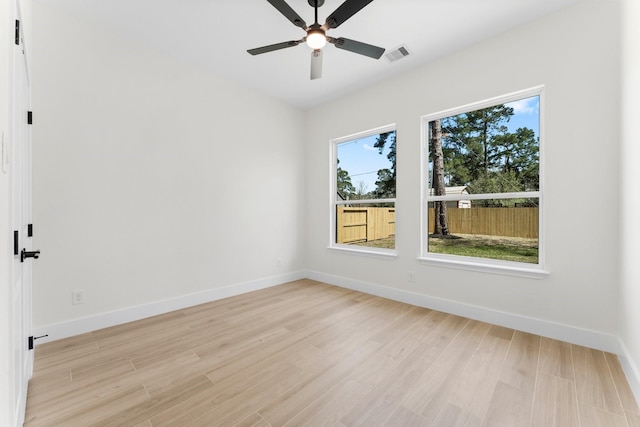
pixel 396 54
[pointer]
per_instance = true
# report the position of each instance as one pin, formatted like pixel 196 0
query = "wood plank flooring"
pixel 310 354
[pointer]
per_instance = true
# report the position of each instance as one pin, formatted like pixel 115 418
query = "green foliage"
pixel 468 138
pixel 518 153
pixel 495 182
pixel 481 153
pixel 345 187
pixel 386 183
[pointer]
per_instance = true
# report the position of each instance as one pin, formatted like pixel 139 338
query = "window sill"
pixel 364 251
pixel 473 264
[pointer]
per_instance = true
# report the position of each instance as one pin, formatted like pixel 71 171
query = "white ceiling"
pixel 215 34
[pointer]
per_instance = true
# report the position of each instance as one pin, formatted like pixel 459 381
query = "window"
pixel 482 192
pixel 364 191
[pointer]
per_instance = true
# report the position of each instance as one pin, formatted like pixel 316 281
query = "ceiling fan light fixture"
pixel 316 39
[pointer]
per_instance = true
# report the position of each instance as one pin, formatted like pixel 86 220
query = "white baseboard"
pixel 92 323
pixel 583 337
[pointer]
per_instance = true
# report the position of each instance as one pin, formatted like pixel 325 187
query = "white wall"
pixel 575 54
pixel 153 179
pixel 630 177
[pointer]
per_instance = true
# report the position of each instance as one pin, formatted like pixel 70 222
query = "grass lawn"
pixel 494 247
pixel 388 243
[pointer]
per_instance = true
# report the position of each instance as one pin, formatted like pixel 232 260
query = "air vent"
pixel 397 53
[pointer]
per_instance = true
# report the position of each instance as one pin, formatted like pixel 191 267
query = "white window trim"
pixel 485 265
pixel 333 202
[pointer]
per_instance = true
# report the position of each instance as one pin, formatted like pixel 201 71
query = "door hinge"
pixel 17 32
pixel 30 230
pixel 32 339
pixel 29 117
pixel 16 243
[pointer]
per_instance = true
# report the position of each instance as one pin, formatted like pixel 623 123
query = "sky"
pixel 525 114
pixel 362 160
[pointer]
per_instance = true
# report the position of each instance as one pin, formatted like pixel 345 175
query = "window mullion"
pixel 364 201
pixel 485 196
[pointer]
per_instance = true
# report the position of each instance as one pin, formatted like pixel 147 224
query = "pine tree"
pixel 344 185
pixel 441 226
pixel 386 183
pixel 480 152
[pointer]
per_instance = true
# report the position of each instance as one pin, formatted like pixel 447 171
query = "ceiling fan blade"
pixel 289 13
pixel 316 64
pixel 272 47
pixel 345 11
pixel 357 47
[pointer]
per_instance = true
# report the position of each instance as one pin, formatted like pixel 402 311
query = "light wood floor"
pixel 307 353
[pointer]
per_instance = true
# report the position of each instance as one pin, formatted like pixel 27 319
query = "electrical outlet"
pixel 77 297
pixel 411 277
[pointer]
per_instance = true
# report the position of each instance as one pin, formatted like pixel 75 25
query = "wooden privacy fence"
pixel 509 222
pixel 360 224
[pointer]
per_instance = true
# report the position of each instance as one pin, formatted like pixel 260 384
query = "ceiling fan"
pixel 317 37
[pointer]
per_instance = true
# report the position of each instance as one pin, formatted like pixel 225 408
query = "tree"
pixel 345 187
pixel 386 183
pixel 495 182
pixel 480 152
pixel 361 191
pixel 469 138
pixel 441 227
pixel 519 153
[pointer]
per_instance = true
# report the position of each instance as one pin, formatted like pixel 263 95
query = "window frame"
pixel 334 202
pixel 476 263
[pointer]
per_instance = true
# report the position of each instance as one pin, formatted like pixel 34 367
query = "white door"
pixel 20 188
